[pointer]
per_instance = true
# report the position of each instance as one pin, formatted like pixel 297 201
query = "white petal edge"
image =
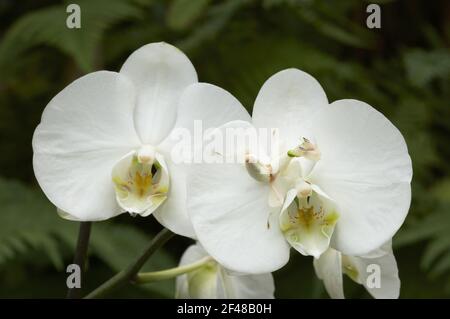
pixel 366 169
pixel 202 108
pixel 173 214
pixel 192 254
pixel 328 268
pixel 389 280
pixel 85 129
pixel 260 286
pixel 212 107
pixel 210 104
pixel 379 252
pixel 160 73
pixel 288 99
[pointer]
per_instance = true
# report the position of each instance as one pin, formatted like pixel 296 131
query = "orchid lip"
pixel 308 223
pixel 308 216
pixel 141 181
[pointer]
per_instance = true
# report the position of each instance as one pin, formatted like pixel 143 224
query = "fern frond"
pixel 434 228
pixel 118 245
pixel 48 27
pixel 28 222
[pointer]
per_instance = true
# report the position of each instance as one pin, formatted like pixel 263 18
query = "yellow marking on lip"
pixel 331 218
pixel 140 187
pixel 142 183
pixel 309 218
pixel 305 216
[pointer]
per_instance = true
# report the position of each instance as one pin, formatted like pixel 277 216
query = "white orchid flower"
pixel 377 272
pixel 212 281
pixel 340 179
pixel 103 145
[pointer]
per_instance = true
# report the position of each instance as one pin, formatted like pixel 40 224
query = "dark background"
pixel 401 69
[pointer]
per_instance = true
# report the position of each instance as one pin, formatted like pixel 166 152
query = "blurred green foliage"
pixel 402 69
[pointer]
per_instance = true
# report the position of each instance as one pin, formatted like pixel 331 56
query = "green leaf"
pixel 118 245
pixel 422 67
pixel 442 190
pixel 216 20
pixel 334 31
pixel 434 249
pixel 435 223
pixel 29 222
pixel 183 13
pixel 47 26
pixel 433 228
pixel 442 266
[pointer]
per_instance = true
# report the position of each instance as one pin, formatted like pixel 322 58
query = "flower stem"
pixel 126 275
pixel 147 277
pixel 80 256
